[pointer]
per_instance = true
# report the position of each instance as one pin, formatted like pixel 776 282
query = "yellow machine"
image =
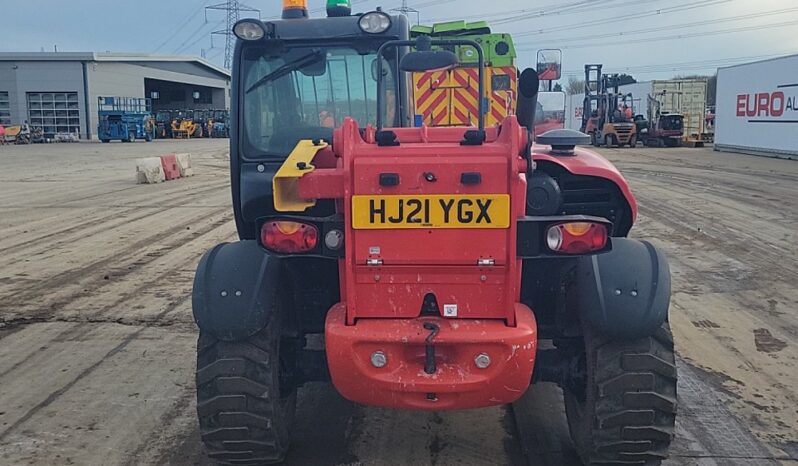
pixel 189 127
pixel 450 98
pixel 177 132
pixel 17 135
pixel 183 130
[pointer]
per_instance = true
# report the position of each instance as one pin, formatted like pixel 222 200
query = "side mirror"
pixel 428 60
pixel 551 110
pixel 549 64
pixel 528 85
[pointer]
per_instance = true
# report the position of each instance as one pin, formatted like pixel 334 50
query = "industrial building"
pixel 58 91
pixel 757 108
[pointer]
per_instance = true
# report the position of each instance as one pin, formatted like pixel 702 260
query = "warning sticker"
pixel 450 310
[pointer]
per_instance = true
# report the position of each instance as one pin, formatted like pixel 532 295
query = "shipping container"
pixel 685 96
pixel 757 108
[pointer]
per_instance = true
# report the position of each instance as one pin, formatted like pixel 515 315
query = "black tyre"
pixel 593 139
pixel 131 136
pixel 244 415
pixel 608 140
pixel 633 141
pixel 625 412
pixel 105 141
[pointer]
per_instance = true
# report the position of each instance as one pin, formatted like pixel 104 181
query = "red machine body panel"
pixel 457 383
pixel 589 163
pixel 431 246
pixel 461 292
pixel 471 269
pixel 379 281
pixel 391 264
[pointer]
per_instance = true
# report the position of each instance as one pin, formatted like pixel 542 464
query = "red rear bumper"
pixel 457 383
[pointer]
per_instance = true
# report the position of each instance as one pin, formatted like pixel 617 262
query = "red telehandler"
pixel 425 268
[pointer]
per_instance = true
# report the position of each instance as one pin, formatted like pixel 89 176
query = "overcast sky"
pixel 650 39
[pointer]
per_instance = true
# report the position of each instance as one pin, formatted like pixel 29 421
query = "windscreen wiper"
pixel 305 60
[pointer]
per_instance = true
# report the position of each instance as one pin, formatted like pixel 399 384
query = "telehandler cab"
pixel 418 267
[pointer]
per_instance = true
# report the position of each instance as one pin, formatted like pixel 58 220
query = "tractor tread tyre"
pixel 243 417
pixel 628 410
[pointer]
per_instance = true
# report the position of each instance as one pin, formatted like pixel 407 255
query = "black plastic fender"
pixel 234 290
pixel 624 293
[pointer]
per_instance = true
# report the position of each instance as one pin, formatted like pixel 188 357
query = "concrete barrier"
pixel 149 170
pixel 184 164
pixel 170 168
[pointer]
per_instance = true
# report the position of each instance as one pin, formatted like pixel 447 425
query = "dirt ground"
pixel 97 339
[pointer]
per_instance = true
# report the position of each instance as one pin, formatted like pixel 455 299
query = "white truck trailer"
pixel 757 108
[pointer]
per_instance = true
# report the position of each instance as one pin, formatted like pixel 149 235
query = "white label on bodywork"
pixel 374 249
pixel 450 310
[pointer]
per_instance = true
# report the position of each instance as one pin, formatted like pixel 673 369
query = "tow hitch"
pixel 429 360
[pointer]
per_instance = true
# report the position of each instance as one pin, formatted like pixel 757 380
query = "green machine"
pixel 449 98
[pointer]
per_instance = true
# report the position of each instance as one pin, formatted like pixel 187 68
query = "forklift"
pixel 603 118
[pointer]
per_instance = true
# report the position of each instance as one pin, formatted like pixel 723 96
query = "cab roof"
pixel 330 28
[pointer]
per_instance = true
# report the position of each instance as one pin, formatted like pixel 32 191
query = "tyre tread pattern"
pixel 630 410
pixel 237 400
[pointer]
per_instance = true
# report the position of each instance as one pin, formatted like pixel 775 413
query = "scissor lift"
pixel 124 118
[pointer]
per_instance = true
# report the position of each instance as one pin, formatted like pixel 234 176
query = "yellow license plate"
pixel 431 211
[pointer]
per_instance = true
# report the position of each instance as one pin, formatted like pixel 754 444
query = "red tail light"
pixel 287 237
pixel 576 237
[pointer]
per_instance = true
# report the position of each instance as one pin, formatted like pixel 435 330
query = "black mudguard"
pixel 624 293
pixel 234 290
